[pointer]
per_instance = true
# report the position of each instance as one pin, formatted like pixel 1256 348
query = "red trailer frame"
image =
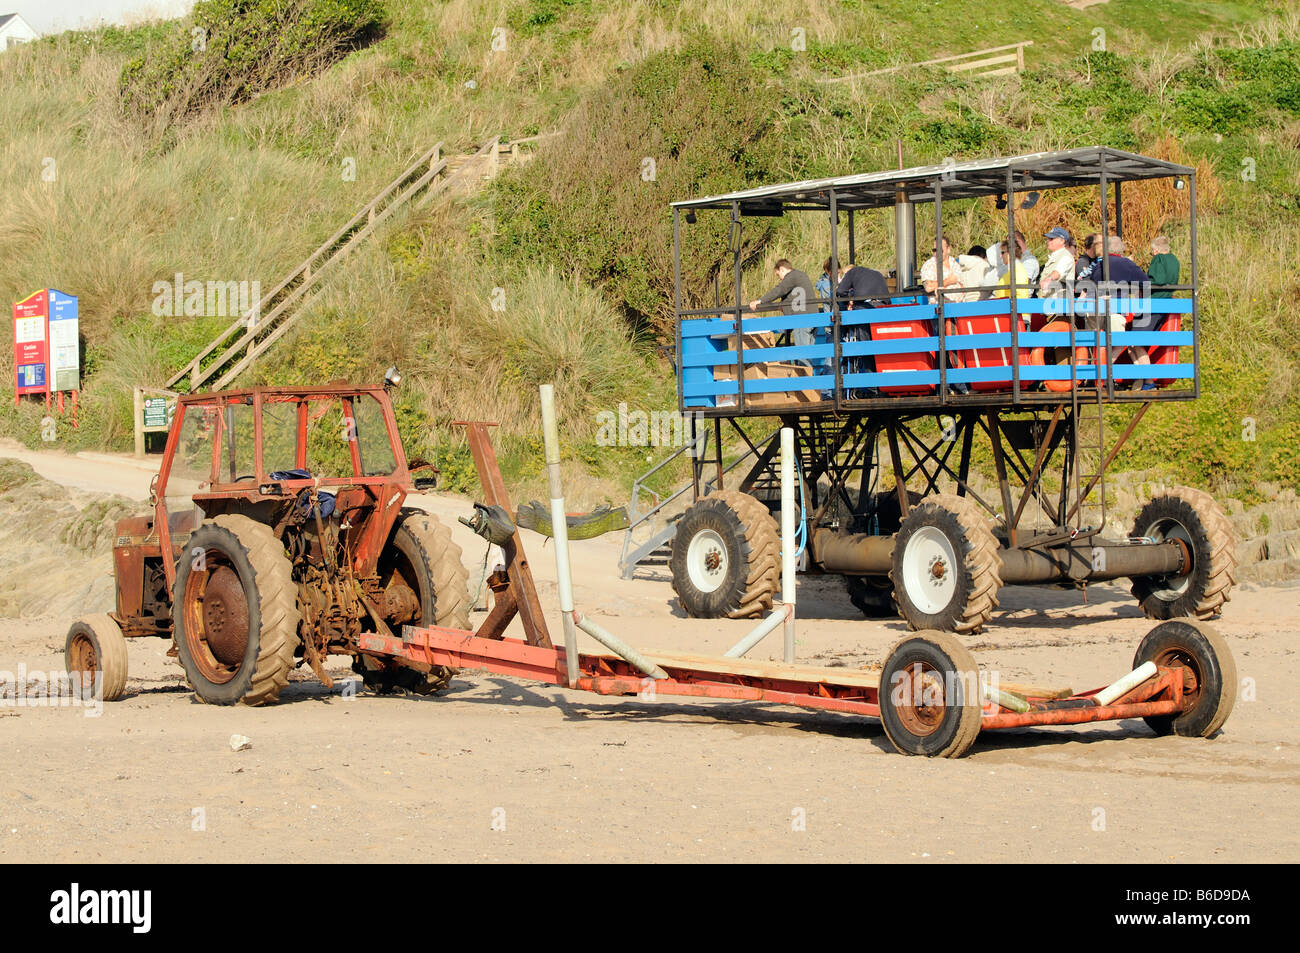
pixel 1172 691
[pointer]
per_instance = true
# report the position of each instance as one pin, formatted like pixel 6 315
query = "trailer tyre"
pixel 421 558
pixel 947 570
pixel 1192 644
pixel 930 696
pixel 1194 517
pixel 726 557
pixel 96 648
pixel 236 612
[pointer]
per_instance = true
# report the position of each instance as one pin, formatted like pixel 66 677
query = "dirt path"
pixel 575 776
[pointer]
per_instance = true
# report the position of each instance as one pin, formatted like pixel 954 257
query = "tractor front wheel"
pixel 96 652
pixel 947 571
pixel 726 558
pixel 236 612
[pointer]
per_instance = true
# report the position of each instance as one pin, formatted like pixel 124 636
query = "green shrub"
pixel 231 50
pixel 588 205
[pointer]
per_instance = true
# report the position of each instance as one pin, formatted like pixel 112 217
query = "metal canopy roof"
pixel 961 180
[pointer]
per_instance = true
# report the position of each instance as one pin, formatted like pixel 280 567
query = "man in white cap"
pixel 1060 263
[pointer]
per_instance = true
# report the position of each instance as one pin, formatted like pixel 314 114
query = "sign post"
pixel 47 347
pixel 31 346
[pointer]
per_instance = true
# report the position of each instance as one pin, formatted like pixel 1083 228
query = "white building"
pixel 13 30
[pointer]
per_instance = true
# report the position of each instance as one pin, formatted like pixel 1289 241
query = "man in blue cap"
pixel 1059 266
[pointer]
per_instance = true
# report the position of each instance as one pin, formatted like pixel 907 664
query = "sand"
pixel 500 769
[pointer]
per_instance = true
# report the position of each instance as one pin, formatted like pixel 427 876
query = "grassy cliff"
pixel 131 156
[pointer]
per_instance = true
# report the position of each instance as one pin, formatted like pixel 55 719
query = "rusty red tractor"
pixel 278 536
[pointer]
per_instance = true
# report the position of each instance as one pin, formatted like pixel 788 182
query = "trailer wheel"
pixel 425 583
pixel 726 557
pixel 947 571
pixel 1194 517
pixel 1194 645
pixel 96 649
pixel 930 696
pixel 236 612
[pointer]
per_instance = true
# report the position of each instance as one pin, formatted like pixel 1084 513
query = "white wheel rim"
pixel 1167 529
pixel 930 570
pixel 706 561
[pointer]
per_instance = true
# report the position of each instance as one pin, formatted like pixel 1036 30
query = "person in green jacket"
pixel 1164 266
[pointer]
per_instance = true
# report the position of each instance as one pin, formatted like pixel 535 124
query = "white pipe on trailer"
pixel 760 631
pixel 560 530
pixel 1126 684
pixel 787 537
pixel 573 619
pixel 786 612
pixel 617 645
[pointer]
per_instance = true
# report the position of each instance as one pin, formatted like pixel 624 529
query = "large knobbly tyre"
pixel 930 696
pixel 1190 643
pixel 96 648
pixel 872 596
pixel 421 556
pixel 236 612
pixel 1195 518
pixel 947 570
pixel 726 557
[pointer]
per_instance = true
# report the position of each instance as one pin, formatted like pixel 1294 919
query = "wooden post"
pixel 137 401
pixel 1020 58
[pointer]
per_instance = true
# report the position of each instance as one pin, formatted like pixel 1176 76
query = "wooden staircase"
pixel 255 332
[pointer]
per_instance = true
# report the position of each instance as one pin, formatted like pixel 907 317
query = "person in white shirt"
pixel 1060 263
pixel 952 275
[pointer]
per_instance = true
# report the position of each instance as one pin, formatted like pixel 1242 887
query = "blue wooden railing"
pixel 706 345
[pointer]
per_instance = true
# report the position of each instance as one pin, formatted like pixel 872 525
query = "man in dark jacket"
pixel 1120 277
pixel 796 295
pixel 864 287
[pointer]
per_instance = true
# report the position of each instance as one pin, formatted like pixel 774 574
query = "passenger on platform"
pixel 1119 277
pixel 796 295
pixel 1060 263
pixel 1089 256
pixel 976 274
pixel 864 287
pixel 952 275
pixel 1024 284
pixel 1027 257
pixel 1165 268
pixel 825 284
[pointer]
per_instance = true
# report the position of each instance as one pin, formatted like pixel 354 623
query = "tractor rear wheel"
pixel 1193 517
pixel 726 557
pixel 96 649
pixel 947 571
pixel 236 612
pixel 425 583
pixel 1191 644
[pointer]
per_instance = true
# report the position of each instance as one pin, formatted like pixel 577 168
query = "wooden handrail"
pixel 260 330
pixel 1019 58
